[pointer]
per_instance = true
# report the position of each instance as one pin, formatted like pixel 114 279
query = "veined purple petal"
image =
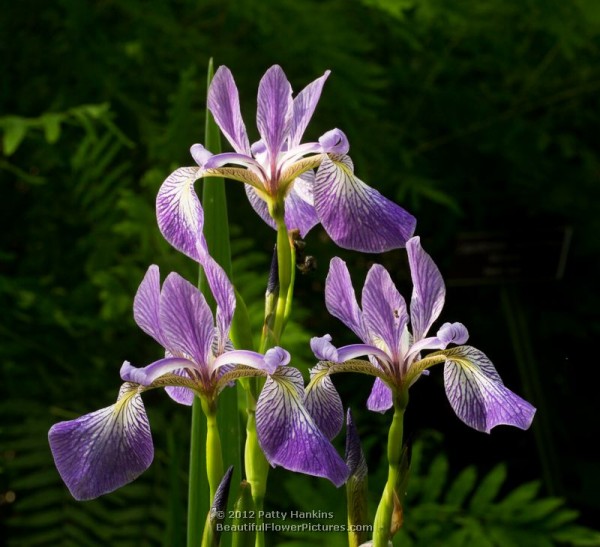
pixel 224 103
pixel 303 108
pixel 323 349
pixel 288 435
pixel 102 451
pixel 334 142
pixel 380 398
pixel 222 291
pixel 341 300
pixel 477 394
pixel 274 112
pixel 200 154
pixel 178 210
pixel 269 362
pixel 355 215
pixel 259 205
pixel 323 402
pixel 146 306
pixel 384 309
pixel 429 291
pixel 146 375
pixel 186 319
pixel 299 211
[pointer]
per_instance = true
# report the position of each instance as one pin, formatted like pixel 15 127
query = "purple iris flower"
pixel 474 388
pixel 280 169
pixel 102 451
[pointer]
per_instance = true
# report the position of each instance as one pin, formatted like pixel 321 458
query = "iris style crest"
pixel 102 451
pixel 474 388
pixel 279 173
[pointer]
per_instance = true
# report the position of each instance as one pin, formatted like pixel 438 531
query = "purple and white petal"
pixel 287 433
pixel 260 206
pixel 334 142
pixel 477 394
pixel 384 309
pixel 299 213
pixel 355 215
pixel 222 291
pixel 303 108
pixel 352 351
pixel 200 154
pixel 449 333
pixel 102 451
pixel 323 402
pixel 380 398
pixel 273 358
pixel 178 210
pixel 355 457
pixel 429 290
pixel 146 375
pixel 323 349
pixel 224 103
pixel 340 298
pixel 186 319
pixel 231 158
pixel 146 305
pixel 274 112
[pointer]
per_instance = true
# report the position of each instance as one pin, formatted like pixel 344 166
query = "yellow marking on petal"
pixel 235 173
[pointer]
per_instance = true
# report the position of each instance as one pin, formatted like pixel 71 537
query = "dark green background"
pixel 478 117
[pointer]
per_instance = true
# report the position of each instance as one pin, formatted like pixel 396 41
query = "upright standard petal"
pixel 186 319
pixel 274 112
pixel 146 305
pixel 429 290
pixel 384 309
pixel 224 103
pixel 477 394
pixel 287 433
pixel 222 291
pixel 355 215
pixel 323 402
pixel 102 451
pixel 303 108
pixel 340 298
pixel 178 211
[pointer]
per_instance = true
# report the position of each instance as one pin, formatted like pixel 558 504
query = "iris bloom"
pixel 279 169
pixel 474 388
pixel 102 451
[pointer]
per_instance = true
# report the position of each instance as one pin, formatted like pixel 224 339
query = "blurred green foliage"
pixel 475 116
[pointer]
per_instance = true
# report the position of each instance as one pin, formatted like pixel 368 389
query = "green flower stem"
pixel 286 272
pixel 198 502
pixel 383 517
pixel 214 457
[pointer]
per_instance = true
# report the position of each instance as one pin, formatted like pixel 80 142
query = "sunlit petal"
pixel 429 290
pixel 224 103
pixel 102 451
pixel 477 394
pixel 323 402
pixel 341 299
pixel 178 210
pixel 287 433
pixel 355 215
pixel 303 108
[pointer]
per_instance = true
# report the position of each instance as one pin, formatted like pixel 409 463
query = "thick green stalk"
pixel 385 510
pixel 286 274
pixel 214 458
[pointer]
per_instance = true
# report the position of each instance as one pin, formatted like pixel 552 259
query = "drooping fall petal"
pixel 477 394
pixel 287 433
pixel 102 451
